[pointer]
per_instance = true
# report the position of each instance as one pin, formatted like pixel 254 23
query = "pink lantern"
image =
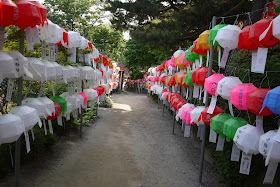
pixel 239 95
pixel 186 116
pixel 211 83
pixel 84 96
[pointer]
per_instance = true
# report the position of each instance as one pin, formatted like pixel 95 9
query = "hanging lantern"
pixel 56 113
pixel 239 95
pixel 50 71
pixel 194 74
pixel 9 12
pixel 231 125
pixel 186 116
pixel 42 10
pixel 28 14
pixel 195 114
pixel 217 123
pixel 62 103
pixel 201 75
pixel 198 49
pixel 211 83
pixel 268 145
pixel 227 37
pixel 191 56
pixel 243 38
pixel 58 71
pixel 84 97
pixel 188 79
pixel 64 42
pixel 213 34
pixel 185 106
pixel 37 69
pixel 6 64
pixel 28 115
pixel 21 65
pixel 74 39
pixel 225 85
pixel 11 128
pixel 255 102
pixel 180 62
pixel 38 105
pixel 275 27
pixel 206 116
pixel 203 40
pixel 70 98
pixel 247 139
pixel 182 83
pixel 272 101
pixel 48 103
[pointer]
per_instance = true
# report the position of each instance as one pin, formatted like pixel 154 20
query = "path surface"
pixel 130 145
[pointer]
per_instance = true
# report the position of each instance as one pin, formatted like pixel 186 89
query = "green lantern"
pixel 191 56
pixel 213 34
pixel 231 126
pixel 188 79
pixel 62 103
pixel 217 123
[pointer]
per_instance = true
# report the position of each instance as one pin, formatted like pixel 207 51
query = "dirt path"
pixel 130 145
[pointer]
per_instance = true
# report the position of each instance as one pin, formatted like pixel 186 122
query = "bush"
pixel 107 103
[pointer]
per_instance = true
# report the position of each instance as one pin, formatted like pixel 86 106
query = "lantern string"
pixel 237 15
pixel 248 116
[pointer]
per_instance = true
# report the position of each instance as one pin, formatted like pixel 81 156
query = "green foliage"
pixel 107 103
pixel 87 118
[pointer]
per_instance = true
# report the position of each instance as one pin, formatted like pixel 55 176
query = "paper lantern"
pixel 58 71
pixel 247 139
pixel 56 113
pixel 201 75
pixel 87 73
pixel 21 65
pixel 185 106
pixel 206 116
pixel 74 39
pixel 195 114
pixel 71 98
pixel 62 103
pixel 194 74
pixel 181 62
pixel 188 79
pixel 64 42
pixel 227 37
pixel 50 32
pixel 213 34
pixel 42 10
pixel 48 103
pixel 226 84
pixel 267 144
pixel 211 83
pixel 6 65
pixel 11 128
pixel 275 27
pixel 84 97
pixel 261 32
pixel 198 49
pixel 231 125
pixel 28 14
pixel 50 71
pixel 9 13
pixel 84 43
pixel 255 102
pixel 186 116
pixel 80 99
pixel 239 95
pixel 37 69
pixel 191 56
pixel 70 108
pixel 28 115
pixel 272 101
pixel 243 38
pixel 217 123
pixel 182 83
pixel 203 40
pixel 38 105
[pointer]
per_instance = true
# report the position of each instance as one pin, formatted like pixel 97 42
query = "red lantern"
pixel 198 49
pixel 42 10
pixel 182 81
pixel 172 81
pixel 201 75
pixel 1 16
pixel 194 73
pixel 255 102
pixel 243 38
pixel 28 14
pixel 57 111
pixel 206 117
pixel 9 12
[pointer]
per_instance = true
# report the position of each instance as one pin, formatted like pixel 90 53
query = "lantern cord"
pixel 11 155
pixel 266 77
pixel 248 116
pixel 237 15
pixel 245 75
pixel 235 22
pixel 29 86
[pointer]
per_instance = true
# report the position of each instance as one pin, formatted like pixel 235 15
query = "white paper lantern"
pixel 21 65
pixel 74 39
pixel 50 71
pixel 7 64
pixel 50 32
pixel 86 72
pixel 225 85
pixel 269 148
pixel 71 98
pixel 38 105
pixel 195 114
pixel 28 115
pixel 89 93
pixel 276 27
pixel 11 128
pixel 247 138
pixel 185 106
pixel 84 43
pixel 80 99
pixel 37 69
pixel 59 72
pixel 49 104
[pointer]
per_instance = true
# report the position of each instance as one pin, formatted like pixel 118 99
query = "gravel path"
pixel 130 145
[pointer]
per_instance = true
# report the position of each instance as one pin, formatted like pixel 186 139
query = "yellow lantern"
pixel 203 40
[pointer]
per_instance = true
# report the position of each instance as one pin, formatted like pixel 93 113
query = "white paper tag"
pixel 10 89
pixel 32 133
pixel 204 96
pixel 207 61
pixel 40 123
pixel 200 92
pixel 2 32
pixel 27 142
pixel 200 60
pixel 29 41
pixel 261 60
pixel 270 173
pixel 193 66
pixel 230 108
pixel 212 136
pixel 224 58
pixel 187 93
pixel 50 126
pixel 198 131
pixel 259 122
pixel 75 114
pixel 44 46
pixel 245 163
pixel 187 131
pixel 45 127
pixel 212 105
pixel 67 116
pixel 197 63
pixel 254 58
pixel 219 56
pixel 277 136
pixel 220 144
pixel 35 36
pixel 235 153
pixel 173 88
pixel 195 91
pixel 51 53
pixel 59 120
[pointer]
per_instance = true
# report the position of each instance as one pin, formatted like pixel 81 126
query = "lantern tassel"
pixel 224 58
